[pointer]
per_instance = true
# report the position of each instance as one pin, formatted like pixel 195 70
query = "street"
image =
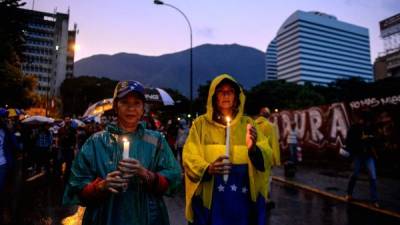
pixel 38 201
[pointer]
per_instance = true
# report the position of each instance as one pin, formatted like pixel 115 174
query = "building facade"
pixel 317 48
pixel 48 52
pixel 388 62
pixel 270 61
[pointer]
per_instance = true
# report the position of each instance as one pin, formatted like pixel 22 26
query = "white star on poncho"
pixel 233 187
pixel 221 188
pixel 244 190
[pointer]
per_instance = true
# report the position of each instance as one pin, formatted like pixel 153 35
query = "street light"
pixel 158 2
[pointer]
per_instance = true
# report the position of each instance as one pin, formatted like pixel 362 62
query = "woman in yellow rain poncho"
pixel 241 199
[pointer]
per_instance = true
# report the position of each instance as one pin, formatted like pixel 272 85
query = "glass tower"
pixel 316 47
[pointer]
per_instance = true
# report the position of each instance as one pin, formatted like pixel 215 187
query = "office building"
pixel 270 61
pixel 48 52
pixel 318 48
pixel 388 62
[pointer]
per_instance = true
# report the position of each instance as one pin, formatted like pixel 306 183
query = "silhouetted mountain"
pixel 172 70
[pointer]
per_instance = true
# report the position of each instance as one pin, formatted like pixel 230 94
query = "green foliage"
pixel 200 103
pixel 11 31
pixel 282 95
pixel 77 94
pixel 181 102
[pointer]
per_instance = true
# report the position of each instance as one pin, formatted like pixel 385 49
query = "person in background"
pixel 81 137
pixel 103 121
pixel 182 134
pixel 149 121
pixel 271 131
pixel 292 142
pixel 239 198
pixel 361 142
pixel 67 143
pixel 171 131
pixel 43 144
pixel 8 146
pixel 290 165
pixel 122 172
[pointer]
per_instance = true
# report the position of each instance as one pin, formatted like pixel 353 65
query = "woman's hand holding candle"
pixel 220 166
pixel 113 182
pixel 132 167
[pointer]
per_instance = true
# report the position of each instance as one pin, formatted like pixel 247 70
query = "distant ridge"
pixel 172 70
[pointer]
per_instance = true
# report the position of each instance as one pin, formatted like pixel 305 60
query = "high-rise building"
pixel 318 48
pixel 270 61
pixel 48 52
pixel 388 62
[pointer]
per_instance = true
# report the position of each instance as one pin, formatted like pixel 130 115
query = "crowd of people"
pixel 51 147
pixel 120 168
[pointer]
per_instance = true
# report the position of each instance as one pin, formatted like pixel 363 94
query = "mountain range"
pixel 246 64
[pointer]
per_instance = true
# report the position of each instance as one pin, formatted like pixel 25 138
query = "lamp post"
pixel 158 2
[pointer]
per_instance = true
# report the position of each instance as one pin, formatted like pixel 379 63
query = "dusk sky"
pixel 140 26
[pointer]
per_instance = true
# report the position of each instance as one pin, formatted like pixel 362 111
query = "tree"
pixel 181 102
pixel 16 90
pixel 200 103
pixel 77 94
pixel 281 95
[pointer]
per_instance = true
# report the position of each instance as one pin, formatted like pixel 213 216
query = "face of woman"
pixel 130 110
pixel 225 97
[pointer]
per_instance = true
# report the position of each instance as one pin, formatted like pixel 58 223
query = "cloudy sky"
pixel 140 26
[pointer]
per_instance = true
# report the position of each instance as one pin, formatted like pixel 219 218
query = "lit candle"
pixel 125 154
pixel 227 144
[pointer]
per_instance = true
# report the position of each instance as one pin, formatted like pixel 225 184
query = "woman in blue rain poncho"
pixel 129 190
pixel 241 199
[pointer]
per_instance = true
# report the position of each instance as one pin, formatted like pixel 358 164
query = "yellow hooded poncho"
pixel 271 131
pixel 206 142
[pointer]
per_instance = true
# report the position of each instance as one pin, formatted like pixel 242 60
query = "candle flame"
pixel 228 119
pixel 124 139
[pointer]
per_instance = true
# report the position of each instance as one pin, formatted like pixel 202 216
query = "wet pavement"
pixel 297 206
pixel 39 202
pixel 334 182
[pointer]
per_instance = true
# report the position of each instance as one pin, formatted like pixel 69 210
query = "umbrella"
pixel 152 95
pixel 77 123
pixel 74 123
pixel 15 112
pixel 158 95
pixel 99 107
pixel 38 120
pixel 91 119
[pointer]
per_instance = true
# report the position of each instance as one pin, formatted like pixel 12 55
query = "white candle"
pixel 125 154
pixel 228 133
pixel 227 144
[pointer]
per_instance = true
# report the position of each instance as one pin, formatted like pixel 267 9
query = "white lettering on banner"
pixel 394 100
pixel 355 105
pixel 286 124
pixel 300 119
pixel 339 124
pixel 315 125
pixel 324 127
pixel 373 102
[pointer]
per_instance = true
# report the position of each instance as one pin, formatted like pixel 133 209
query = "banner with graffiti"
pixel 324 128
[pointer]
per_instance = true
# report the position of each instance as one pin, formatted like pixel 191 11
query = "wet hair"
pixel 217 115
